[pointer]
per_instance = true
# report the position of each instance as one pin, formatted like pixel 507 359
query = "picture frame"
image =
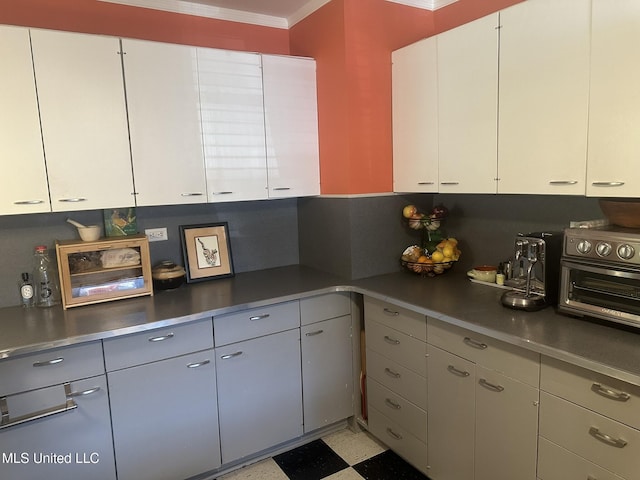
pixel 206 250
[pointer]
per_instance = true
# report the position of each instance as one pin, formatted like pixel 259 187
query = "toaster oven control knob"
pixel 626 252
pixel 603 249
pixel 583 246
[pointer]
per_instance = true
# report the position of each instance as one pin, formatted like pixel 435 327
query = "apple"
pixel 409 211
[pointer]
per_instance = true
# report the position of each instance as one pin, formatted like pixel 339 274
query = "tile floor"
pixel 344 455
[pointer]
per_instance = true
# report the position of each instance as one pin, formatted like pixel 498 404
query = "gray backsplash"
pixel 354 237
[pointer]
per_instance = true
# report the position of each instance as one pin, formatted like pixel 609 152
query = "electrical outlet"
pixel 156 234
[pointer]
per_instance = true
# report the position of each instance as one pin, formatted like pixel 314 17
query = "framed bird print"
pixel 207 251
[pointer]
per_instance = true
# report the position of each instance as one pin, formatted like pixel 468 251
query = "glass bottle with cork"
pixel 45 278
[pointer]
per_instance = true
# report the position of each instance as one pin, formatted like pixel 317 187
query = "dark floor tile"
pixel 387 466
pixel 312 461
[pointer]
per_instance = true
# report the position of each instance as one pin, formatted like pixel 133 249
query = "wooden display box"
pixel 104 270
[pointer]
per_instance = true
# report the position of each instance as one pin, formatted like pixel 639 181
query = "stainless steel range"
pixel 600 274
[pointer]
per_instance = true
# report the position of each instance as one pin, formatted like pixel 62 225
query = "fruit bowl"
pixel 427 269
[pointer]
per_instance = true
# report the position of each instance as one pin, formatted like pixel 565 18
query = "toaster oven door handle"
pixel 610 394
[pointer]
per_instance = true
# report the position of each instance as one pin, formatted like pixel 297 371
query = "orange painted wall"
pixel 354 81
pixel 92 16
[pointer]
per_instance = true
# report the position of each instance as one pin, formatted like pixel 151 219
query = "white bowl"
pixel 90 233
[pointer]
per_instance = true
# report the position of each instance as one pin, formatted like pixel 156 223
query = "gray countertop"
pixel 450 297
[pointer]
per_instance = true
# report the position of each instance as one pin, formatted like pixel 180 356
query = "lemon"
pixel 448 251
pixel 437 256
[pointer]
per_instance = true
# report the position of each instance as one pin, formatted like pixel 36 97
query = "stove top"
pixel 608 243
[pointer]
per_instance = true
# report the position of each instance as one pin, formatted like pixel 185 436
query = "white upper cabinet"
pixel 614 110
pixel 544 97
pixel 232 114
pixel 291 118
pixel 164 122
pixel 84 122
pixel 23 184
pixel 467 107
pixel 415 117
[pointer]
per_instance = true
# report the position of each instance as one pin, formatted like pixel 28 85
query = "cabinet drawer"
pixel 324 307
pixel 557 463
pixel 397 346
pixel 606 395
pixel 158 344
pixel 510 360
pixel 50 367
pixel 607 443
pixel 407 415
pixel 398 439
pixel 398 318
pixel 397 378
pixel 256 322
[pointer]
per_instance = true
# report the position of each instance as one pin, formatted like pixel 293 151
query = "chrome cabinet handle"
pixel 73 200
pixel 311 334
pixel 198 364
pixel 191 194
pixel 608 439
pixel 161 338
pixel 426 183
pixel 563 182
pixel 392 404
pixel 230 355
pixel 610 394
pixel 475 344
pixel 222 193
pixel 7 421
pixel 393 434
pixel 282 188
pixel 259 317
pixel 449 183
pixel 455 371
pixel 28 202
pixel 83 393
pixel 490 386
pixel 607 184
pixel 46 363
pixel 391 373
pixel 390 340
pixel 390 312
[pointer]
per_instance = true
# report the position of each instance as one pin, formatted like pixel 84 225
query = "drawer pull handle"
pixel 28 202
pixel 280 189
pixel 311 334
pixel 392 404
pixel 84 393
pixel 46 363
pixel 259 317
pixel 449 183
pixel 393 434
pixel 390 340
pixel 161 338
pixel 223 193
pixel 230 355
pixel 73 200
pixel 391 373
pixel 198 364
pixel 607 184
pixel 563 182
pixel 610 394
pixel 475 344
pixel 490 386
pixel 393 313
pixel 7 421
pixel 608 439
pixel 426 183
pixel 191 194
pixel 455 371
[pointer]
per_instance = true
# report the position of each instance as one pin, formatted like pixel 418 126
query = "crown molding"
pixel 305 11
pixel 425 4
pixel 200 10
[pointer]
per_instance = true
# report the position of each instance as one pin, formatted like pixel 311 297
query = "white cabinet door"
pixel 327 377
pixel 544 97
pixel 232 115
pixel 291 118
pixel 23 187
pixel 614 109
pixel 415 117
pixel 451 416
pixel 84 122
pixel 164 122
pixel 467 107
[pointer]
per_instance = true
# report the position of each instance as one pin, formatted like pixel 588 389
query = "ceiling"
pixel 273 8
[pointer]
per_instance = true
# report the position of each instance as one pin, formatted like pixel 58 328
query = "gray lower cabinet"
pixel 259 393
pixel 327 379
pixel 73 443
pixel 165 420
